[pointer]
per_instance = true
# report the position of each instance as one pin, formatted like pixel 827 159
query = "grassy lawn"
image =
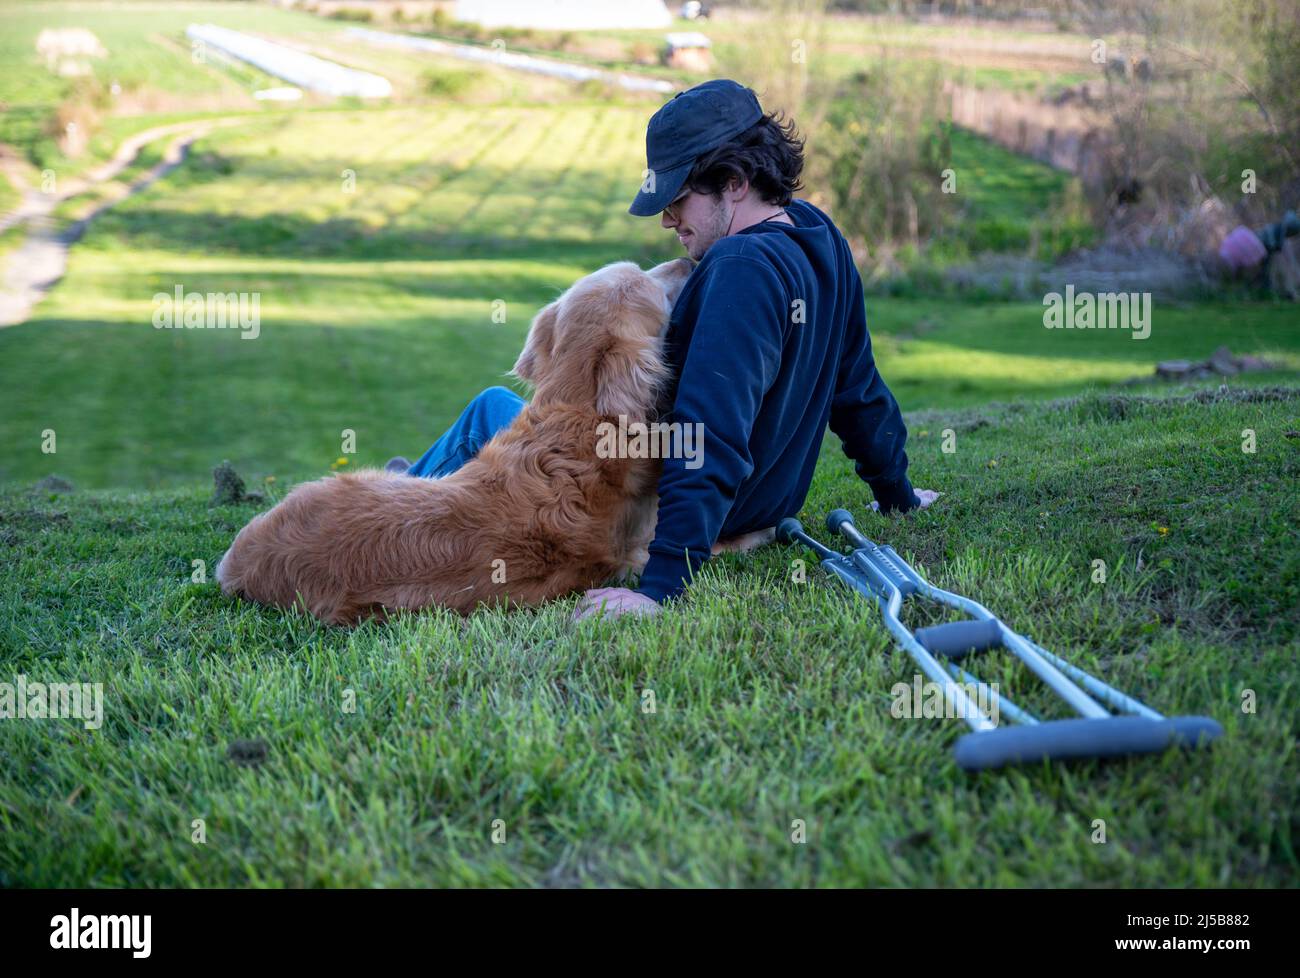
pixel 771 697
pixel 945 352
pixel 376 304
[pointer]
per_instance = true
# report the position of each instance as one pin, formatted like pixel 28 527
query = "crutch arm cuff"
pixel 1115 736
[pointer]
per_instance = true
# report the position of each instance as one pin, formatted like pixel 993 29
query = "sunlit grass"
pixel 771 691
pixel 376 296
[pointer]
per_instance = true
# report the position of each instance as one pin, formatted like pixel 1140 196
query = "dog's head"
pixel 599 344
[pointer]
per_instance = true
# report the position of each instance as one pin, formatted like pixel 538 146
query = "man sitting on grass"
pixel 767 344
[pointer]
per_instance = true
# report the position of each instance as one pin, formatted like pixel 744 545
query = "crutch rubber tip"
pixel 788 529
pixel 1195 731
pixel 837 516
pixel 956 639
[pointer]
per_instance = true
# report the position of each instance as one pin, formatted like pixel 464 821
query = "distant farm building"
pixel 66 49
pixel 690 51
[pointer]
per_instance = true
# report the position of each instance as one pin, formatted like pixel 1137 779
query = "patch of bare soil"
pixel 36 265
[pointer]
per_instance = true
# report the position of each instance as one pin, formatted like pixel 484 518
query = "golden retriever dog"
pixel 537 514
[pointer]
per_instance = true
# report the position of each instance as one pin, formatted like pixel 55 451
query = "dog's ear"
pixel 541 339
pixel 628 377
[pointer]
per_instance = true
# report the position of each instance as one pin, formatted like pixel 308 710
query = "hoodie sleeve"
pixel 866 417
pixel 734 356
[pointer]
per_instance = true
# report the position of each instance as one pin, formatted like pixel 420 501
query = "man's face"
pixel 698 219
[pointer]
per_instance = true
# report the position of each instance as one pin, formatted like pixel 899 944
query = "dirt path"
pixel 36 265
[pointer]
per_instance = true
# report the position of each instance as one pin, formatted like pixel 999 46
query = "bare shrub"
pixel 881 153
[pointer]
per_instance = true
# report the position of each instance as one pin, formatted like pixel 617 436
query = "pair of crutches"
pixel 879 573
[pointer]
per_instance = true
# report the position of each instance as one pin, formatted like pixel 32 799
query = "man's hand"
pixel 924 496
pixel 613 602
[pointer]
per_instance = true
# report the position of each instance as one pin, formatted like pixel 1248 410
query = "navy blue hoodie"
pixel 768 342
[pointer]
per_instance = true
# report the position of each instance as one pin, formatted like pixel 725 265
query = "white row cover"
pixel 565 15
pixel 305 70
pixel 508 59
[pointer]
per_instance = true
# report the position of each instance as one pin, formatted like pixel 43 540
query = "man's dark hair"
pixel 769 154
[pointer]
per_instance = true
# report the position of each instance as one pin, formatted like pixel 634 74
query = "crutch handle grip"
pixel 1081 738
pixel 958 638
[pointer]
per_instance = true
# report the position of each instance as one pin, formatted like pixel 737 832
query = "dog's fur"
pixel 535 515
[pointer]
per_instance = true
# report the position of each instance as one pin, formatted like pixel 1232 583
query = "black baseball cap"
pixel 687 126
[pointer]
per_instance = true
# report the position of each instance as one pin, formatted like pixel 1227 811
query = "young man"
pixel 768 339
pixel 768 342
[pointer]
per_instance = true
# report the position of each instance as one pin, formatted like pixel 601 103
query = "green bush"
pixel 881 152
pixel 449 84
pixel 354 14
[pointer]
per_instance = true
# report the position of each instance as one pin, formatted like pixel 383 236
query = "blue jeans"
pixel 482 418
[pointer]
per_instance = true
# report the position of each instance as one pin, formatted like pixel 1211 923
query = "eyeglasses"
pixel 670 210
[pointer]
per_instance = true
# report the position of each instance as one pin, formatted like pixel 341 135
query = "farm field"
pixel 1002 56
pixel 377 302
pixel 151 62
pixel 147 57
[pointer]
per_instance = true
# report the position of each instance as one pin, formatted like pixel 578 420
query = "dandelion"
pixel 341 461
pixel 993 463
pixel 1163 530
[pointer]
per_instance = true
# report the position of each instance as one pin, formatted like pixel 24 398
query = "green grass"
pixel 1009 203
pixel 148 57
pixel 772 694
pixel 376 305
pixel 772 697
pixel 946 352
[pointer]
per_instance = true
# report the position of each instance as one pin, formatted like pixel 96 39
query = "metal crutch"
pixel 878 572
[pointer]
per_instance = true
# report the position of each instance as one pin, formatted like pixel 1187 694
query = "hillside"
pixel 771 697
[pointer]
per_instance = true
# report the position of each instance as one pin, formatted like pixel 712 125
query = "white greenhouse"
pixel 565 15
pixel 301 69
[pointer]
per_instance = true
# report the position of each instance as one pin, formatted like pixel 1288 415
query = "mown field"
pixel 150 61
pixel 148 58
pixel 1010 56
pixel 159 80
pixel 377 301
pixel 379 239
